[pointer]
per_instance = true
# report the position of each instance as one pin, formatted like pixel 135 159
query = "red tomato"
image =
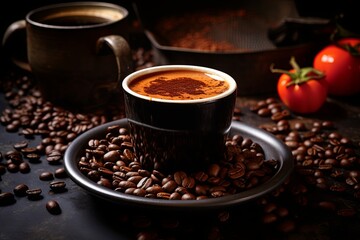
pixel 341 66
pixel 302 90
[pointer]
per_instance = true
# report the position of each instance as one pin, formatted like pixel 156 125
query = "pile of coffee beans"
pixel 30 115
pixel 325 160
pixel 111 162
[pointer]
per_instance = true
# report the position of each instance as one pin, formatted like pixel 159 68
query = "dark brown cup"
pixel 77 51
pixel 171 135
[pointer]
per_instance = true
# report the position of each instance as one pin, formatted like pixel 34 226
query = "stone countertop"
pixel 296 208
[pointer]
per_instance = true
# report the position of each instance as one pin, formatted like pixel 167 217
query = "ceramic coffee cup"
pixel 179 115
pixel 78 51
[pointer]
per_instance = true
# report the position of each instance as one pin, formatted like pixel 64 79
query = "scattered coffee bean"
pixel 14 156
pixel 54 157
pixel 28 150
pixel 13 168
pixel 33 157
pixel 60 173
pixel 20 190
pixel 45 176
pixel 24 167
pixel 34 194
pixel 58 186
pixel 53 207
pixel 20 145
pixel 7 198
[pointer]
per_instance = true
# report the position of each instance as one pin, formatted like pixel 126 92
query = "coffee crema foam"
pixel 179 85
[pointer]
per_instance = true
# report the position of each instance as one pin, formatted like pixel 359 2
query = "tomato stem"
pixel 299 75
pixel 353 50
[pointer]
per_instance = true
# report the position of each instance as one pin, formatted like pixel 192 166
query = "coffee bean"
pixel 15 156
pixel 60 173
pixel 147 235
pixel 45 176
pixel 277 116
pixel 139 192
pixel 144 183
pixel 23 144
pixel 13 127
pixel 28 150
pixel 24 167
pixel 214 170
pixel 54 157
pixel 33 157
pixel 163 195
pixel 264 112
pixel 169 186
pixel 58 186
pixel 237 172
pixel 201 176
pixel 34 194
pixel 188 182
pixel 20 190
pixel 112 156
pixel 300 126
pixel 188 196
pixel 13 168
pixel 175 196
pixel 7 198
pixel 105 182
pixel 93 175
pixel 179 176
pixel 53 207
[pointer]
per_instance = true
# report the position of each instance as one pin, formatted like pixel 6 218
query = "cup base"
pixel 173 150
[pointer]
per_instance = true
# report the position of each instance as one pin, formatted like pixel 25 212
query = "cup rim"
pixel 232 83
pixel 40 10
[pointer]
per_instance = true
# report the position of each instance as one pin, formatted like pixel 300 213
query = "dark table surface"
pixel 84 216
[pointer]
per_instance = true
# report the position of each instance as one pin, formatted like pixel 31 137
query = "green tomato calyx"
pixel 299 75
pixel 354 50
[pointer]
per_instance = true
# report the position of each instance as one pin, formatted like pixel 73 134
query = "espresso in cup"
pixel 179 115
pixel 179 85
